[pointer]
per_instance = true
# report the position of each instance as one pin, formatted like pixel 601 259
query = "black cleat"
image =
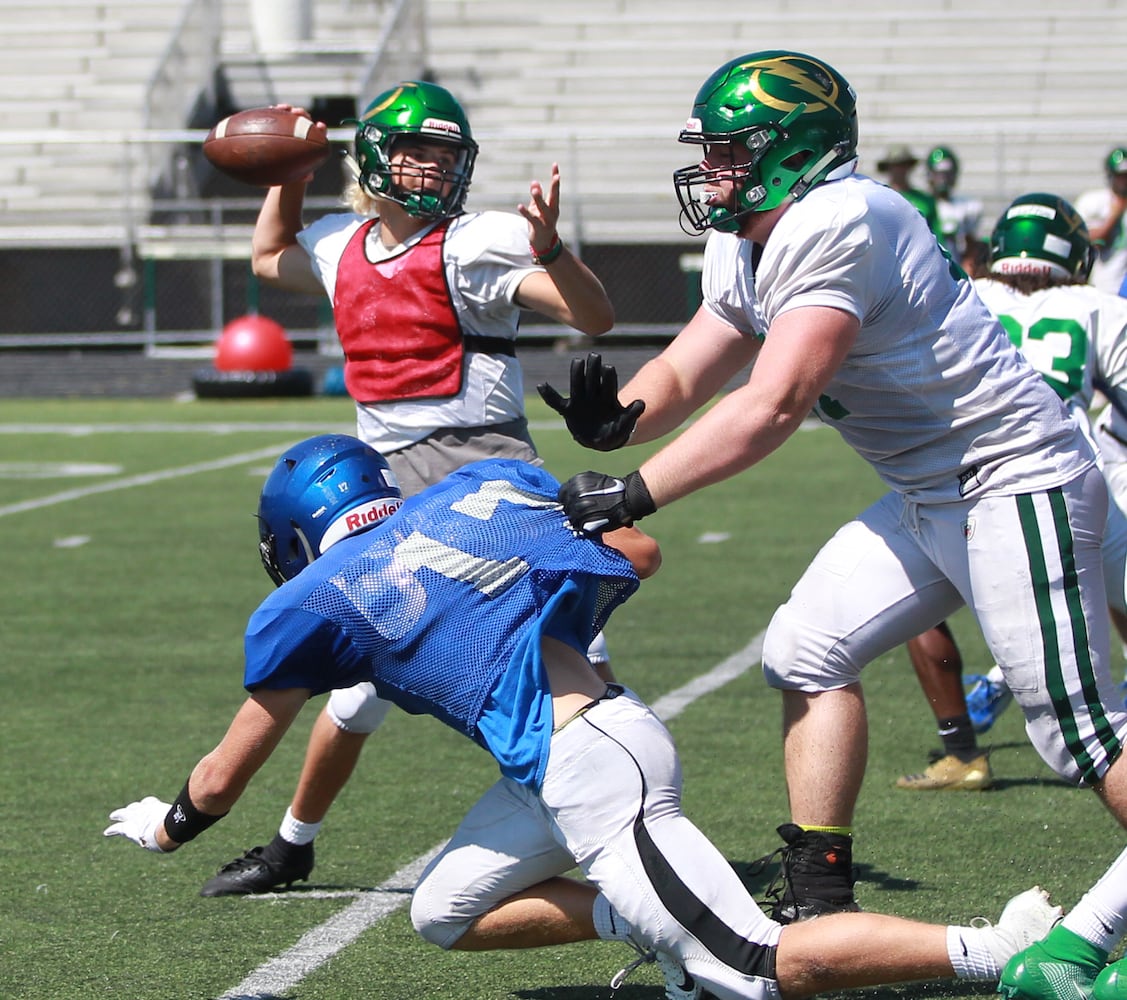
pixel 815 875
pixel 262 869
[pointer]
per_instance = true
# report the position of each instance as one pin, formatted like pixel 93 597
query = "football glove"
pixel 595 503
pixel 593 413
pixel 139 822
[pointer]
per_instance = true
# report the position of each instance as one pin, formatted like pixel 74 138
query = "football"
pixel 266 146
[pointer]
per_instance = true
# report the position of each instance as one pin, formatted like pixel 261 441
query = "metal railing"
pixel 400 51
pixel 187 69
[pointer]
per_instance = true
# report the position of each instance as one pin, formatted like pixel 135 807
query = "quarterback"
pixel 427 300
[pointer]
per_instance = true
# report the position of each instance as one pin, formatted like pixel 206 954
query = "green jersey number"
pixel 1062 359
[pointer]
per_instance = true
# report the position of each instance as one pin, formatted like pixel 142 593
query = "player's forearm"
pixel 1102 232
pixel 728 439
pixel 276 228
pixel 668 401
pixel 589 308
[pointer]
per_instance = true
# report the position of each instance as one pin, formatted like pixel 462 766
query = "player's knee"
pixel 798 656
pixel 357 709
pixel 435 922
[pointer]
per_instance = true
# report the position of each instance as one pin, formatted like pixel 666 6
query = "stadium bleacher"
pixel 601 86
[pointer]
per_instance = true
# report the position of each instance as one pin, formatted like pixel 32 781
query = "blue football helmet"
pixel 320 491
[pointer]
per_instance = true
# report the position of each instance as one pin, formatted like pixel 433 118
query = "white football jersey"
pixel 1074 335
pixel 932 392
pixel 486 257
pixel 959 219
pixel 1110 266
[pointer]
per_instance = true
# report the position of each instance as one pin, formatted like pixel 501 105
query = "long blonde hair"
pixel 359 201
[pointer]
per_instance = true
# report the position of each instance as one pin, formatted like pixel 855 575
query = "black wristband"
pixel 184 821
pixel 638 500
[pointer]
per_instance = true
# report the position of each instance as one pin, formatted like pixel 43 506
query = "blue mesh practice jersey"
pixel 442 607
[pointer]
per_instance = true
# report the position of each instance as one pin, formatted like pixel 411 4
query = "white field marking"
pixel 279 975
pixel 142 480
pixel 282 974
pixel 56 470
pixel 85 430
pixel 669 706
pixel 71 541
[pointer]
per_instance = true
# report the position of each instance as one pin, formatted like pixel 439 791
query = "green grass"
pixel 121 639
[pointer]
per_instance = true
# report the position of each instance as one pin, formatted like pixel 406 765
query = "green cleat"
pixel 1062 967
pixel 1111 984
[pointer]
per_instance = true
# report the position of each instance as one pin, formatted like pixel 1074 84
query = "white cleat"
pixel 1027 918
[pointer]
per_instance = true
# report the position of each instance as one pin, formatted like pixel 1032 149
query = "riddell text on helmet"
pixel 354 520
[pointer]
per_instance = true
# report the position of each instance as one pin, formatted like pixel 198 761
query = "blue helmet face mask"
pixel 320 491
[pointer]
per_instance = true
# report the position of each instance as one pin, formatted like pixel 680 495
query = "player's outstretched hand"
pixel 593 413
pixel 139 822
pixel 595 502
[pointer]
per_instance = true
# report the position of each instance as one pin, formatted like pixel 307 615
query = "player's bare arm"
pixel 1105 230
pixel 687 374
pixel 276 256
pixel 643 551
pixel 218 780
pixel 800 354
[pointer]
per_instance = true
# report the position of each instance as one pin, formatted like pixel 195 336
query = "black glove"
pixel 593 413
pixel 595 503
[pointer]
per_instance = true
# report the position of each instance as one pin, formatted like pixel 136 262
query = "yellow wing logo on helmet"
pixel 815 81
pixel 1070 217
pixel 392 97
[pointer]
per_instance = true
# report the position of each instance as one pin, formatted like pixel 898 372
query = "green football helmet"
pixel 423 110
pixel 796 115
pixel 1116 162
pixel 942 169
pixel 1041 234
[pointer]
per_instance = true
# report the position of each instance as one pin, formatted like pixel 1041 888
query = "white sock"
pixel 609 925
pixel 295 831
pixel 970 954
pixel 1101 915
pixel 995 675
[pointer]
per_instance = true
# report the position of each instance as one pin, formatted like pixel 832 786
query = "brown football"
pixel 266 146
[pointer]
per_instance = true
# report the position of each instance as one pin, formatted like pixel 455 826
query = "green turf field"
pixel 129 539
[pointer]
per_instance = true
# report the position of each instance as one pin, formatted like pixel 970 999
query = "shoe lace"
pixel 252 858
pixel 645 956
pixel 774 894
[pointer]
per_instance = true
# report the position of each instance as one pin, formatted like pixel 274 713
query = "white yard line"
pixel 280 975
pixel 157 427
pixel 144 479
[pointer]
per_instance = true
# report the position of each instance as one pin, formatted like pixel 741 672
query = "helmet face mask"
pixel 428 114
pixel 788 121
pixel 320 491
pixel 1041 235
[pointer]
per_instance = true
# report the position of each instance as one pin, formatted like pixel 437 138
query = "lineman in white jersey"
pixel 864 320
pixel 427 301
pixel 1076 336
